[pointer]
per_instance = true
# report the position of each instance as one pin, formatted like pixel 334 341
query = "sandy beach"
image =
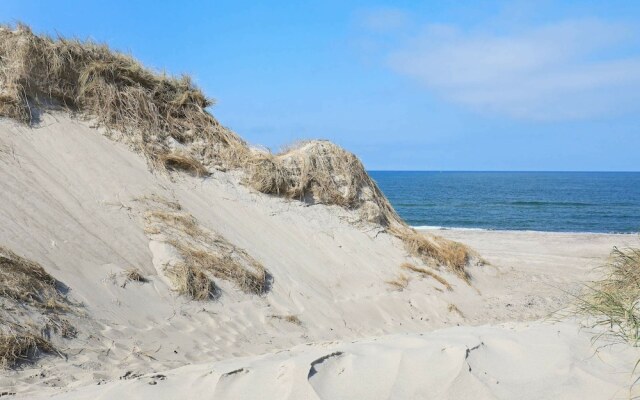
pixel 149 252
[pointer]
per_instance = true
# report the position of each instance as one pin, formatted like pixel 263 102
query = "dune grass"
pixel 316 170
pixel 434 250
pixel 27 282
pixel 152 112
pixel 426 272
pixel 399 283
pixel 183 162
pixel 452 308
pixel 231 264
pixel 134 275
pixel 192 281
pixel 181 221
pixel 143 108
pixel 204 255
pixel 292 319
pixel 16 348
pixel 613 301
pixel 61 326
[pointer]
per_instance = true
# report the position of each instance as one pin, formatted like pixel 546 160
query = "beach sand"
pixel 330 327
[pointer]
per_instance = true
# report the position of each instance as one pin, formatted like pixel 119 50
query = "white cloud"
pixel 568 70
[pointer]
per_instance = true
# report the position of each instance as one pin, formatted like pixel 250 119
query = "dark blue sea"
pixel 539 201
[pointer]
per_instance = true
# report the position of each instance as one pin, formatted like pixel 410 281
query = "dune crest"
pixel 165 119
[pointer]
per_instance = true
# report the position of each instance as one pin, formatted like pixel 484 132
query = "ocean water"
pixel 539 201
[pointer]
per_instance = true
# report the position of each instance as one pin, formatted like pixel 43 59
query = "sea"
pixel 604 202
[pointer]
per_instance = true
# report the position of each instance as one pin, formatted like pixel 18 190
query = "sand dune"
pixel 75 202
pixel 149 252
pixel 511 361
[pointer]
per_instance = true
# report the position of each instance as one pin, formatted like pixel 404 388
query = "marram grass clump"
pixel 399 283
pixel 153 112
pixel 26 286
pixel 434 250
pixel 27 282
pixel 613 302
pixel 320 172
pixel 203 255
pixel 19 347
pixel 175 161
pixel 426 272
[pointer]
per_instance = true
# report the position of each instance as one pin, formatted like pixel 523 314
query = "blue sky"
pixel 406 85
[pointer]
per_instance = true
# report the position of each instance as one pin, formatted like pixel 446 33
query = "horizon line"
pixel 497 170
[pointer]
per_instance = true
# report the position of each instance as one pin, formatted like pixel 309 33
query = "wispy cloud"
pixel 567 70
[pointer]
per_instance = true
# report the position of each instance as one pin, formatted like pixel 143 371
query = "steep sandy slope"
pixel 78 204
pixel 75 202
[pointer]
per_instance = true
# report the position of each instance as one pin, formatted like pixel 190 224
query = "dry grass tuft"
pixel 614 300
pixel 61 326
pixel 181 221
pixel 154 199
pixel 183 162
pixel 423 271
pixel 192 281
pixel 204 255
pixel 453 255
pixel 26 286
pixel 292 319
pixel 134 275
pixel 452 308
pixel 319 172
pixel 26 281
pixel 399 283
pixel 16 348
pixel 226 262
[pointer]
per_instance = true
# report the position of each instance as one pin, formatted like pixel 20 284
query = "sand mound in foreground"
pixel 165 118
pixel 544 361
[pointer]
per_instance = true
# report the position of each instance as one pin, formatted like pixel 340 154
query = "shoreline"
pixel 428 228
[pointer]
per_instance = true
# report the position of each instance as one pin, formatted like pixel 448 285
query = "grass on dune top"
pixel 150 109
pixel 166 119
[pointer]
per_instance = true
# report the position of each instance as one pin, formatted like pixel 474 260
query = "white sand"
pixel 68 201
